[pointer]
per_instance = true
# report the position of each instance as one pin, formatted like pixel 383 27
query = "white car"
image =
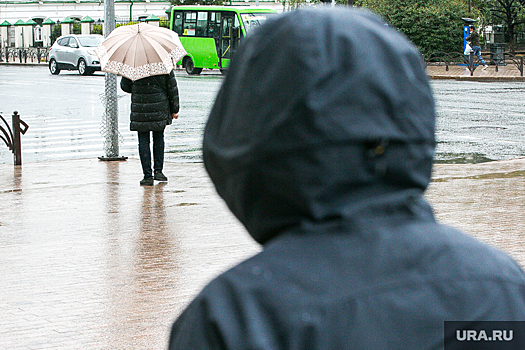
pixel 75 52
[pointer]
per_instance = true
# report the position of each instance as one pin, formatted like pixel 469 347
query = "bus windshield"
pixel 252 20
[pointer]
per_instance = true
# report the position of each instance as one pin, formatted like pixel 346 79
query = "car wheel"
pixel 82 67
pixel 53 67
pixel 190 68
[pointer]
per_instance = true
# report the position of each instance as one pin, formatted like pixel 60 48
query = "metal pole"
pixel 111 146
pixel 17 144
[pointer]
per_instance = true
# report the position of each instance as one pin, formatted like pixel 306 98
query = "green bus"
pixel 210 34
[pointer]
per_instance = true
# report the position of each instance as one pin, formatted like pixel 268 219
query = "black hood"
pixel 324 115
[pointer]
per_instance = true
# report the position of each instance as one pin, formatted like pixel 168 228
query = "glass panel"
pixel 64 41
pixel 177 22
pixel 202 23
pixel 214 25
pixel 190 21
pixel 226 36
pixel 73 43
pixel 252 20
pixel 38 33
pixel 90 41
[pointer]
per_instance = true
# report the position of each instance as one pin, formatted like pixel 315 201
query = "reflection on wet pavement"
pixel 487 200
pixel 91 260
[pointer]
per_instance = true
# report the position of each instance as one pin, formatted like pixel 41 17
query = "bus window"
pixel 236 33
pixel 190 21
pixel 252 20
pixel 226 45
pixel 202 23
pixel 214 24
pixel 177 22
pixel 237 23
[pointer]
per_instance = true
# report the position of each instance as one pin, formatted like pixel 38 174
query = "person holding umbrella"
pixel 154 103
pixel 145 56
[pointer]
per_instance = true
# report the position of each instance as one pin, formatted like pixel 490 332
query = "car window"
pixel 63 41
pixel 90 41
pixel 73 42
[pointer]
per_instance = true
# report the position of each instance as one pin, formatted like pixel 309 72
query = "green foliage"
pixel 97 29
pixel 126 24
pixel 57 31
pixel 508 13
pixel 77 28
pixel 431 25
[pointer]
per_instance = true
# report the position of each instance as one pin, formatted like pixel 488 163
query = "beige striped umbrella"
pixel 140 50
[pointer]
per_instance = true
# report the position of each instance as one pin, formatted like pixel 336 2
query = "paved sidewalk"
pixel 91 260
pixel 505 73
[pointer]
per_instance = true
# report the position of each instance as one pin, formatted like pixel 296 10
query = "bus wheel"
pixel 190 68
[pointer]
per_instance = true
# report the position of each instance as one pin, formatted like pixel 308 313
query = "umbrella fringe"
pixel 140 54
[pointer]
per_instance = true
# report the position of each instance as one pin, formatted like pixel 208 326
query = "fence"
pixel 472 62
pixel 25 55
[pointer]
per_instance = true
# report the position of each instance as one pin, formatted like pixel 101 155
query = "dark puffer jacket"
pixel 153 100
pixel 323 152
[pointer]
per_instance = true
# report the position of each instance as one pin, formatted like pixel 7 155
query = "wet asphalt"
pixel 478 119
pixel 91 260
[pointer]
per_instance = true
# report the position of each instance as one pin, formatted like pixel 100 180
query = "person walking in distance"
pixel 323 152
pixel 473 39
pixel 154 104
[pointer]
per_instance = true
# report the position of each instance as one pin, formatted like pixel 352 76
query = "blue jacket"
pixel 321 143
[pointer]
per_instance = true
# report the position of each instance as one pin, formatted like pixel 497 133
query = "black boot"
pixel 159 176
pixel 146 181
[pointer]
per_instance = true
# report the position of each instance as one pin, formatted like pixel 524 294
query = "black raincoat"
pixel 321 143
pixel 153 100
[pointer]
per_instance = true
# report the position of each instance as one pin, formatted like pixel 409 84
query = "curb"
pixel 431 76
pixel 44 64
pixel 474 78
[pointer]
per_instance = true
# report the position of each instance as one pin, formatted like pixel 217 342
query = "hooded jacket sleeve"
pixel 125 84
pixel 173 93
pixel 193 331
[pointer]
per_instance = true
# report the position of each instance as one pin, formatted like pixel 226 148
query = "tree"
pixel 509 13
pixel 431 25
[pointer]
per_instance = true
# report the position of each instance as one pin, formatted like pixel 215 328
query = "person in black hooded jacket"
pixel 154 104
pixel 321 142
